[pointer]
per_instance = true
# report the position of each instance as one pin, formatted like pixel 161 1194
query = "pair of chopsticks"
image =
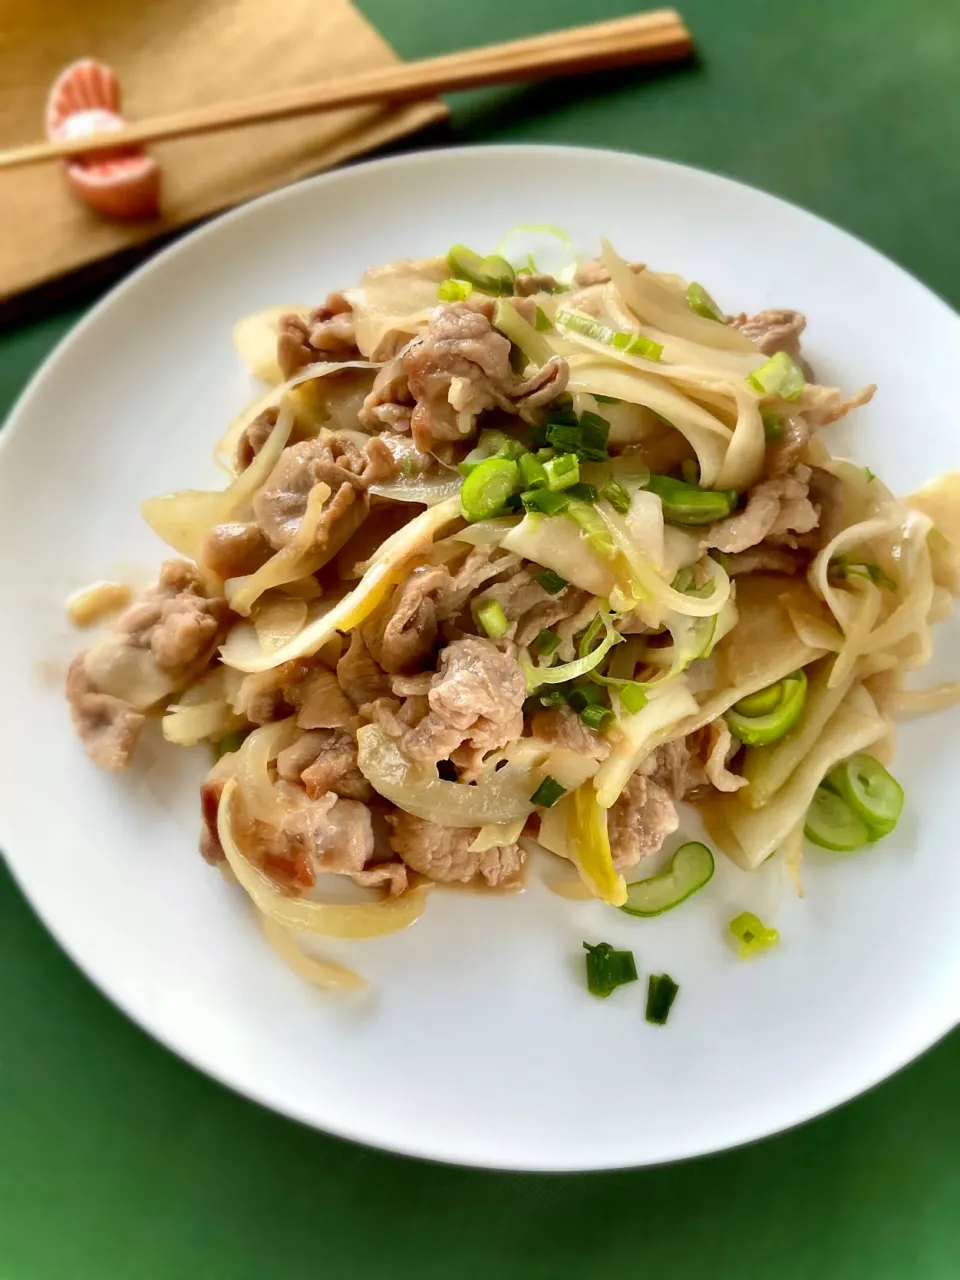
pixel 658 36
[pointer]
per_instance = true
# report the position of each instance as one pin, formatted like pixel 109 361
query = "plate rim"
pixel 16 422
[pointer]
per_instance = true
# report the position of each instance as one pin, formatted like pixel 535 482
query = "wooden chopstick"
pixel 647 37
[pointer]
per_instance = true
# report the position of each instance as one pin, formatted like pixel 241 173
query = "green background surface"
pixel 117 1160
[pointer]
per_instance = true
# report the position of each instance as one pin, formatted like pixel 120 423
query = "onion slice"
pixel 333 920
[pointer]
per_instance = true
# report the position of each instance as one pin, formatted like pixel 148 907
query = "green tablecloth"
pixel 116 1160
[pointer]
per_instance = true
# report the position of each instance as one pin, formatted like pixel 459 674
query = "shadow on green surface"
pixel 151 1158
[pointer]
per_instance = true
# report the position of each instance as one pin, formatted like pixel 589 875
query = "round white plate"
pixel 477 1042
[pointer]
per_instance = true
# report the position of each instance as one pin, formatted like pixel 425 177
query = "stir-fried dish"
pixel 514 560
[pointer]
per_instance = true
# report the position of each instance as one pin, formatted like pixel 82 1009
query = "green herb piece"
pixel 562 471
pixel 614 493
pixel 492 274
pixel 661 993
pixel 551 581
pixel 548 793
pixel 599 718
pixel 780 376
pixel 491 617
pixel 608 969
pixel 454 290
pixel 772 426
pixel 769 714
pixel 752 934
pixel 543 500
pixel 702 304
pixel 546 642
pixel 687 504
pixel 486 489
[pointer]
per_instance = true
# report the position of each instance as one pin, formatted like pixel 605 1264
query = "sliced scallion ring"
pixel 689 870
pixel 487 488
pixel 492 274
pixel 757 723
pixel 832 824
pixel 871 792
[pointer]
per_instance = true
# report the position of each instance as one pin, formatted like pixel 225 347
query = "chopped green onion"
pixel 847 567
pixel 686 583
pixel 493 620
pixel 606 399
pixel 562 471
pixel 541 321
pixel 551 581
pixel 689 870
pixel 832 824
pixel 765 716
pixel 546 454
pixel 608 969
pixel 688 504
pixel 492 274
pixel 872 793
pixel 752 934
pixel 454 290
pixel 721 557
pixel 871 475
pixel 635 344
pixel 548 793
pixel 632 696
pixel 594 431
pixel 531 471
pixel 585 693
pixel 492 444
pixel 702 304
pixel 780 376
pixel 599 718
pixel 546 642
pixel 486 489
pixel 566 671
pixel 772 426
pixel 583 492
pixel 564 437
pixel 614 493
pixel 661 993
pixel 551 504
pixel 230 743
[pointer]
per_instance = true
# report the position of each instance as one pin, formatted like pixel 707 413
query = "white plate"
pixel 478 1042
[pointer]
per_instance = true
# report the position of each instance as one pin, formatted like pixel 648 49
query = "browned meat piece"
pixel 235 550
pixel 460 368
pixel 774 508
pixel 476 698
pixel 255 436
pixel 775 329
pixel 461 353
pixel 210 847
pixel 530 282
pixel 640 821
pixel 401 636
pixel 325 760
pixel 562 727
pixel 764 559
pixel 389 403
pixel 327 334
pixel 443 853
pixel 359 676
pixel 158 645
pixel 282 502
pixel 674 768
pixel 529 608
pixel 293 345
pixel 320 702
pixel 592 271
pixel 108 727
pixel 262 697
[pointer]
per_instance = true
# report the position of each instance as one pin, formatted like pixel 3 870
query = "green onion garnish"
pixel 661 993
pixel 583 492
pixel 752 934
pixel 688 504
pixel 832 824
pixel 541 321
pixel 594 431
pixel 488 486
pixel 562 471
pixel 635 344
pixel 491 275
pixel 546 642
pixel 702 304
pixel 847 567
pixel 767 715
pixel 531 471
pixel 870 475
pixel 543 500
pixel 772 426
pixel 606 399
pixel 548 793
pixel 492 444
pixel 632 696
pixel 608 969
pixel 564 437
pixel 614 493
pixel 230 743
pixel 454 290
pixel 780 376
pixel 551 581
pixel 491 617
pixel 872 793
pixel 686 582
pixel 599 718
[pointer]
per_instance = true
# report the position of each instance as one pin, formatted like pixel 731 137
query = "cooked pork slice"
pixel 774 508
pixel 325 760
pixel 562 727
pixel 640 821
pixel 444 854
pixel 358 674
pixel 108 727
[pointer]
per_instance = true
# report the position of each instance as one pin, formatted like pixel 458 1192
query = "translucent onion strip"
pixel 324 974
pixel 915 702
pixel 299 559
pixel 332 920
